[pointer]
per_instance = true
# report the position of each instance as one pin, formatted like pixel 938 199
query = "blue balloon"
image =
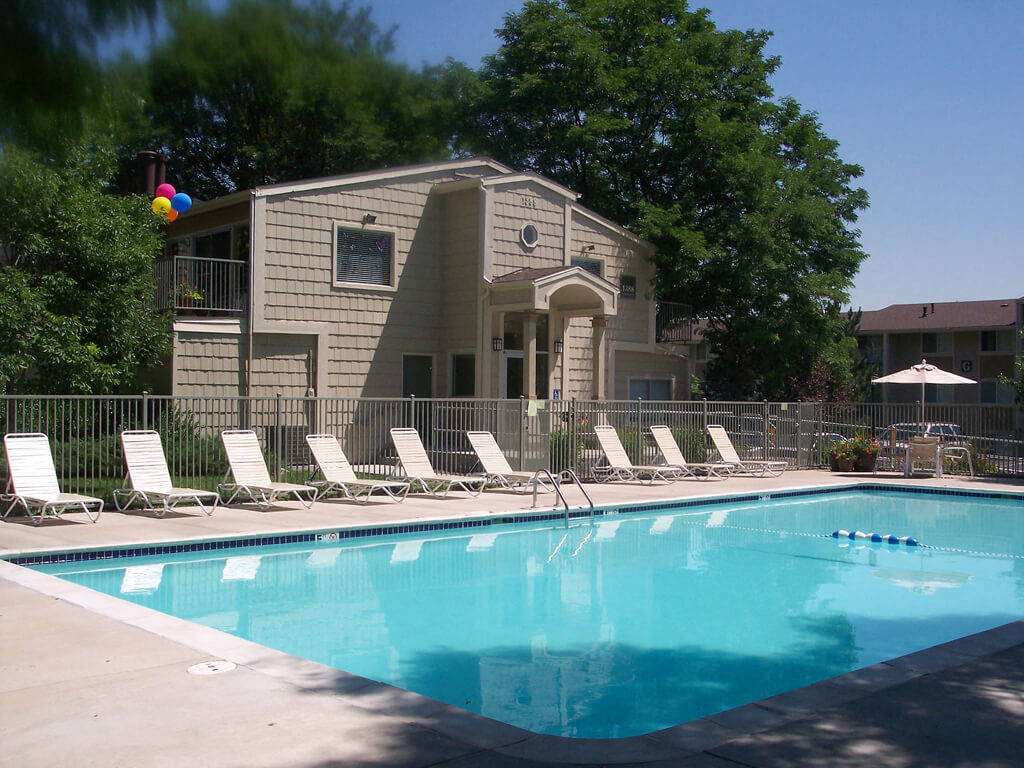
pixel 181 202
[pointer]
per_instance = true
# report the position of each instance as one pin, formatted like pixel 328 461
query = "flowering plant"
pixel 862 449
pixel 185 295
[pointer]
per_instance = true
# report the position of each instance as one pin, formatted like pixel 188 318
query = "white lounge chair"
pixel 416 467
pixel 729 456
pixel 33 480
pixel 674 457
pixel 339 475
pixel 496 466
pixel 249 473
pixel 150 479
pixel 619 467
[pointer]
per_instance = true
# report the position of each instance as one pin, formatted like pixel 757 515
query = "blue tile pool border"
pixel 339 534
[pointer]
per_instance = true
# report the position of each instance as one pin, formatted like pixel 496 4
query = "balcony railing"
pixel 673 323
pixel 191 285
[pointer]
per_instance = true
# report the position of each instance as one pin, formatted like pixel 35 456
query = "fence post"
pixel 764 430
pixel 145 409
pixel 277 441
pixel 522 429
pixel 573 450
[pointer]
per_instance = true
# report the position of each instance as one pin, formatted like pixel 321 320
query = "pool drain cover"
pixel 211 667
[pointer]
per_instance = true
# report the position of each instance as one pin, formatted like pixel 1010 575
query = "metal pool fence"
pixel 555 434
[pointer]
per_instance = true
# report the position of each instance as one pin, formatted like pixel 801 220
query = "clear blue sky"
pixel 926 95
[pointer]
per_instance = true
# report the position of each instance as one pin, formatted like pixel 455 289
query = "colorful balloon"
pixel 165 190
pixel 181 202
pixel 161 205
pixel 172 215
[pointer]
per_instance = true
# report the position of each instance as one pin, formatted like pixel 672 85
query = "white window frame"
pixel 522 235
pixel 356 225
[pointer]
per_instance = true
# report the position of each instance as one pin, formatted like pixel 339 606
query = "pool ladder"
pixel 554 483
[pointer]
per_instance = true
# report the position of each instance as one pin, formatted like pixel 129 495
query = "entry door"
pixel 513 378
pixel 417 375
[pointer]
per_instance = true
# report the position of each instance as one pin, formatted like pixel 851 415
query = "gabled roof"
pixel 329 182
pixel 528 273
pixel 941 316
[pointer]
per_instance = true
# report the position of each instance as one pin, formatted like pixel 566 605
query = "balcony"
pixel 190 285
pixel 673 323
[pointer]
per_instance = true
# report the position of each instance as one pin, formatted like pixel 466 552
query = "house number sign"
pixel 528 202
pixel 966 366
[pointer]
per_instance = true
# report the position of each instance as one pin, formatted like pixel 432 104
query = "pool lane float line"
pixel 909 541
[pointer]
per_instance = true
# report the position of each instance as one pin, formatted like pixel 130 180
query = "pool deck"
pixel 93 680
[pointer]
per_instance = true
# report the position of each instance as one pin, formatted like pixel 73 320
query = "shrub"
pixel 564 454
pixel 692 442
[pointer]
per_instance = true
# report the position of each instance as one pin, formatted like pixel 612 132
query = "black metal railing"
pixel 673 323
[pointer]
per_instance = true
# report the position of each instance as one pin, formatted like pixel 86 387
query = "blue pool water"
pixel 620 626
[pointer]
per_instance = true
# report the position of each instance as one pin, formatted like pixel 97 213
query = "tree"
pixel 668 126
pixel 271 91
pixel 76 275
pixel 1018 382
pixel 50 70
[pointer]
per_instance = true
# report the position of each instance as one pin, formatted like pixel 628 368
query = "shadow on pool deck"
pixel 91 679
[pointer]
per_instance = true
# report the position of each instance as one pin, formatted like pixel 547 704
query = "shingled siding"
pixel 642 365
pixel 516 205
pixel 207 365
pixel 281 364
pixel 579 358
pixel 371 326
pixel 461 271
pixel 620 256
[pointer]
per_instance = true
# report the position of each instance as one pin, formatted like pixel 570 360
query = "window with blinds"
pixel 364 256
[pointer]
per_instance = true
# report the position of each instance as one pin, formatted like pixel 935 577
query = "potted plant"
pixel 185 298
pixel 841 457
pixel 858 453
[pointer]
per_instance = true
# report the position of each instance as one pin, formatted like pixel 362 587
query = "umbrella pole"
pixel 922 407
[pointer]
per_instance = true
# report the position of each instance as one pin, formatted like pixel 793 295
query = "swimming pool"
pixel 617 626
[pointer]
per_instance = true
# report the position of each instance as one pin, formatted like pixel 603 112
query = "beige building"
pixel 461 278
pixel 977 339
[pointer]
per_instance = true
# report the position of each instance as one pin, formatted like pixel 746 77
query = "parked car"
pixel 950 434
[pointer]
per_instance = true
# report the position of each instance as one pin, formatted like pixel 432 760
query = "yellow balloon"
pixel 161 205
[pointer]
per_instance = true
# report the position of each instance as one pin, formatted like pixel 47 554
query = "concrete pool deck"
pixel 91 679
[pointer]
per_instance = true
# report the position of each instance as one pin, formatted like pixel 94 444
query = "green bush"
pixel 633 441
pixel 692 442
pixel 190 451
pixel 564 452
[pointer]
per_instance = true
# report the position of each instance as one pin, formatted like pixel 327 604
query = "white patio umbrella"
pixel 923 373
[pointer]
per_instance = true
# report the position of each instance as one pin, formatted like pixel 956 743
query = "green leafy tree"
pixel 50 71
pixel 274 90
pixel 76 279
pixel 1018 382
pixel 669 126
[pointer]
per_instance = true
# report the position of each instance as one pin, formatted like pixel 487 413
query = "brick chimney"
pixel 152 171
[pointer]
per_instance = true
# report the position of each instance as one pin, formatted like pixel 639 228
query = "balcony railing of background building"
pixel 191 285
pixel 673 323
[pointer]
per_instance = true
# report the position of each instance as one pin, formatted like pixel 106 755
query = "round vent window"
pixel 529 235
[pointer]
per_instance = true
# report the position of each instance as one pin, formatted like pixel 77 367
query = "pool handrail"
pixel 558 490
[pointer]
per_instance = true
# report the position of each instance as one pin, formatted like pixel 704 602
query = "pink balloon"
pixel 165 190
